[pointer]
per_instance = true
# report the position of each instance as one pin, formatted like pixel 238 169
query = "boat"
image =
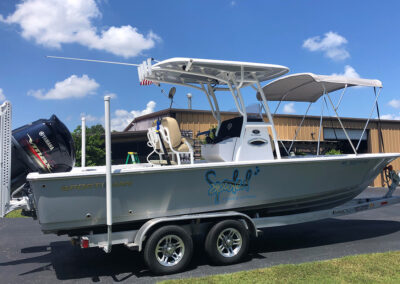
pixel 243 168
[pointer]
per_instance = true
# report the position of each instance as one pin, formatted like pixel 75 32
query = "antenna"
pixel 92 60
pixel 171 95
pixel 189 96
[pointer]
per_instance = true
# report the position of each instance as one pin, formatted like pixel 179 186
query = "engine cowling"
pixel 44 146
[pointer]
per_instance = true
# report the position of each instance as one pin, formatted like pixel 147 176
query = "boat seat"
pixel 161 162
pixel 174 143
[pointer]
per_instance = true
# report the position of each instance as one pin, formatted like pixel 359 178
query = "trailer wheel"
pixel 168 250
pixel 227 242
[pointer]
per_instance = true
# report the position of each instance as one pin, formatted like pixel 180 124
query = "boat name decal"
pixel 96 185
pixel 233 185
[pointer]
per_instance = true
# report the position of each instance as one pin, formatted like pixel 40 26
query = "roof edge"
pixel 179 110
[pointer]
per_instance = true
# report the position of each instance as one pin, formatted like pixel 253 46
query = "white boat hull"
pixel 75 200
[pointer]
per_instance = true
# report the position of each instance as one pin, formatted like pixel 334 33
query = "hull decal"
pixel 234 185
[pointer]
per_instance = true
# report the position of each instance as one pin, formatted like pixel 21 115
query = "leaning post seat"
pixel 172 138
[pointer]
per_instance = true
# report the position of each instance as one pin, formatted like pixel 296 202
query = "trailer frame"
pixel 134 239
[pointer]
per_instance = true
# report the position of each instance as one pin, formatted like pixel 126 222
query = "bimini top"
pixel 308 87
pixel 204 71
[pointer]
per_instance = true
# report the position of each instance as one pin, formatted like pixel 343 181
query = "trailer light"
pixel 384 202
pixel 84 243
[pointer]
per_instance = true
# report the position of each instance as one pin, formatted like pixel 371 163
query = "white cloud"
pixel 72 87
pixel 394 103
pixel 348 72
pixel 289 108
pixel 52 23
pixel 332 44
pixel 91 118
pixel 233 3
pixel 112 95
pixel 123 117
pixel 2 96
pixel 391 116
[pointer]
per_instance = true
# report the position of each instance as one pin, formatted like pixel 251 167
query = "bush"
pixel 333 152
pixel 95 152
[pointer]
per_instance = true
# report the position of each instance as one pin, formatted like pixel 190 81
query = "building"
pixel 191 122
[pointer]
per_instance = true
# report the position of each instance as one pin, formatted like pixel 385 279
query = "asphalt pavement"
pixel 27 255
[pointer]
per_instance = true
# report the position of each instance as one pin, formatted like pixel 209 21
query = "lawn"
pixel 366 268
pixel 15 214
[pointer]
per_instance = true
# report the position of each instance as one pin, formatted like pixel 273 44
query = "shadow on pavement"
pixel 321 233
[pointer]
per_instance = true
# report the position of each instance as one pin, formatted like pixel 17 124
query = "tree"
pixel 95 152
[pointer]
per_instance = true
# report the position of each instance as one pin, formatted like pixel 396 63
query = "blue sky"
pixel 356 38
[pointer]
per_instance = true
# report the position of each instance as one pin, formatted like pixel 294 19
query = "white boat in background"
pixel 243 168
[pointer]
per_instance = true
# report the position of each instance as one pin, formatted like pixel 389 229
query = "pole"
pixel 341 124
pixel 268 112
pixel 83 134
pixel 108 172
pixel 320 127
pixel 189 96
pixel 298 128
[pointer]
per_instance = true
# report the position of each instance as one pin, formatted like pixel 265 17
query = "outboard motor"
pixel 44 146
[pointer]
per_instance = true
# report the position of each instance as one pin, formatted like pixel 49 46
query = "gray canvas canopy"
pixel 309 87
pixel 204 71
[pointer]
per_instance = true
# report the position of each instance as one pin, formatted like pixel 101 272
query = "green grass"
pixel 366 268
pixel 15 214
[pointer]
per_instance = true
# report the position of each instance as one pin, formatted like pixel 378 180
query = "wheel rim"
pixel 229 242
pixel 170 250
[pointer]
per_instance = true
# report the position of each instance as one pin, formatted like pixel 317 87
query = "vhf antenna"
pixel 92 60
pixel 171 95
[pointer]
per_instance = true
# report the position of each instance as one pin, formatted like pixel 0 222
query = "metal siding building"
pixel 194 121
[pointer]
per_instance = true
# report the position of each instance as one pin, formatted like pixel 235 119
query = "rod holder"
pixel 189 97
pixel 107 123
pixel 83 134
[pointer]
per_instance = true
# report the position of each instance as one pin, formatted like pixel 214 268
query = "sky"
pixel 352 38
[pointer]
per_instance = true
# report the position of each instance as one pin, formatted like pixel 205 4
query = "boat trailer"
pixel 134 239
pixel 182 225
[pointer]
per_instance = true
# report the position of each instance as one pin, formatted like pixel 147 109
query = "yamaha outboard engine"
pixel 44 146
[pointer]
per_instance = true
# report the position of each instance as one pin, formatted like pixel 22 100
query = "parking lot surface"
pixel 27 255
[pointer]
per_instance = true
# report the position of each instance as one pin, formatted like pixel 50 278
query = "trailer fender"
pixel 142 232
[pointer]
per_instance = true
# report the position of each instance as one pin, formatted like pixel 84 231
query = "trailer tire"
pixel 227 242
pixel 168 250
